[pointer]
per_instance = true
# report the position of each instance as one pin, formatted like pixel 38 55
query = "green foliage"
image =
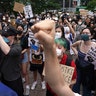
pixel 91 5
pixel 37 5
pixel 41 5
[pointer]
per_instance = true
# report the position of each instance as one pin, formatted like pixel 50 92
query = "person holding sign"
pixel 45 31
pixel 67 65
pixel 85 69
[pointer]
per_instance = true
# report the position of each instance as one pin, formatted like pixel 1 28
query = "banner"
pixel 28 11
pixel 18 7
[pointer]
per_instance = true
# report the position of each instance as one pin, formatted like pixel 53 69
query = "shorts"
pixel 37 67
pixel 25 59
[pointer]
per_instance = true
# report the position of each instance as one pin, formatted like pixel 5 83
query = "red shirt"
pixel 63 61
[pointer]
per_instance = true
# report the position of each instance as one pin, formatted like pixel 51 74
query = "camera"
pixel 65 16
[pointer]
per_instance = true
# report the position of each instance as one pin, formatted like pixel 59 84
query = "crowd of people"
pixel 43 43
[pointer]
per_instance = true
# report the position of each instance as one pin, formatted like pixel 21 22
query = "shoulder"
pixel 77 43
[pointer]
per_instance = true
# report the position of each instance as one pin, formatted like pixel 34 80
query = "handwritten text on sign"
pixel 67 73
pixel 91 56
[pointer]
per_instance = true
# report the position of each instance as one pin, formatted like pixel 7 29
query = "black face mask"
pixel 19 32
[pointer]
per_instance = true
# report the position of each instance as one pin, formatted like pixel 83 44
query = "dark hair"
pixel 11 31
pixel 62 29
pixel 90 29
pixel 65 16
pixel 94 32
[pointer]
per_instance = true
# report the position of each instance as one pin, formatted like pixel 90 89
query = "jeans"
pixel 77 85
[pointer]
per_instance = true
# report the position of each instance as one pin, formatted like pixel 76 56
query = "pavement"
pixel 38 91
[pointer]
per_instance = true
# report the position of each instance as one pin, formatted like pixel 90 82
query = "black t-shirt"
pixel 24 42
pixel 10 66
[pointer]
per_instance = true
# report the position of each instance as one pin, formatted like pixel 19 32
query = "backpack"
pixel 68 61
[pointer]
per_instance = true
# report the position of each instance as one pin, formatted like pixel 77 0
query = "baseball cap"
pixel 11 31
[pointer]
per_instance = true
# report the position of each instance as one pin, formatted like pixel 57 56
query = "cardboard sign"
pixel 18 7
pixel 84 12
pixel 67 73
pixel 28 11
pixel 91 56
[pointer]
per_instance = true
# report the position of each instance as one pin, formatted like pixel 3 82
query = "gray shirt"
pixel 10 66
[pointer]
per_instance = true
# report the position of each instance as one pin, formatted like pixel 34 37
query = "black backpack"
pixel 68 61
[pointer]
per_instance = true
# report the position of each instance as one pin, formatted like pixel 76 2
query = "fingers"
pixel 44 25
pixel 34 29
pixel 43 37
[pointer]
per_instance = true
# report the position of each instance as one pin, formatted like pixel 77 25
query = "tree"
pixel 84 2
pixel 41 5
pixel 91 5
pixel 37 5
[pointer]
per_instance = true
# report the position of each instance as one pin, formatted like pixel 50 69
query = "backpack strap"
pixel 68 61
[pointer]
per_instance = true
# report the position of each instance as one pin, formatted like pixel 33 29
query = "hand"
pixel 65 20
pixel 44 31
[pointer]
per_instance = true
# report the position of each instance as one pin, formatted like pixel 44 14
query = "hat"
pixel 11 32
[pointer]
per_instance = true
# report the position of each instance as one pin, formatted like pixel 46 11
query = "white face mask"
pixel 70 19
pixel 58 52
pixel 4 18
pixel 9 20
pixel 79 23
pixel 57 35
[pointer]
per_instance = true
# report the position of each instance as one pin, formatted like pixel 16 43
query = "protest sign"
pixel 67 73
pixel 83 12
pixel 28 11
pixel 18 7
pixel 91 55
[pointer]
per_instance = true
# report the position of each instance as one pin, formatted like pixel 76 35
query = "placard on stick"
pixel 18 7
pixel 28 11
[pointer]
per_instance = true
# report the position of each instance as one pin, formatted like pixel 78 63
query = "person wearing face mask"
pixel 85 69
pixel 9 62
pixel 59 33
pixel 63 59
pixel 80 25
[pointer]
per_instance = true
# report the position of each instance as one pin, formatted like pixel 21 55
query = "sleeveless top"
pixel 81 57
